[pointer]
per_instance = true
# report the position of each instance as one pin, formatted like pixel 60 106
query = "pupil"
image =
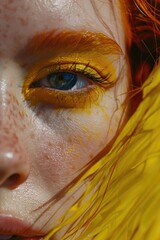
pixel 62 80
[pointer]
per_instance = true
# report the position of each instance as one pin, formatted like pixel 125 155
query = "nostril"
pixel 14 167
pixel 13 180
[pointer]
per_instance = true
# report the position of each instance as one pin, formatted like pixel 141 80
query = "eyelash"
pixel 84 73
pixel 67 99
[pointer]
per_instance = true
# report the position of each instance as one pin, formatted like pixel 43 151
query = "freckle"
pixel 15 100
pixel 46 156
pixel 21 127
pixel 9 94
pixel 70 140
pixel 15 137
pixel 73 167
pixel 6 130
pixel 4 35
pixel 7 25
pixel 50 144
pixel 15 122
pixel 23 21
pixel 32 135
pixel 11 84
pixel 91 156
pixel 21 114
pixel 68 118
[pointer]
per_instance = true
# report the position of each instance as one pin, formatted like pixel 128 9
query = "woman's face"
pixel 52 123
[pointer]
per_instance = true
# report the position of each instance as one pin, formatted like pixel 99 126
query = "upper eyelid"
pixel 93 73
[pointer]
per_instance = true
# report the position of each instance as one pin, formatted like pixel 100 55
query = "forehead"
pixel 21 20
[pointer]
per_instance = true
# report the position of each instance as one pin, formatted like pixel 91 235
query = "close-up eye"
pixel 61 81
pixel 65 83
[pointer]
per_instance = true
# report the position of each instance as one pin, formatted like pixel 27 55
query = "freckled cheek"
pixel 61 157
pixel 70 139
pixel 53 161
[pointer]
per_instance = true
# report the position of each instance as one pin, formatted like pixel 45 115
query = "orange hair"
pixel 145 21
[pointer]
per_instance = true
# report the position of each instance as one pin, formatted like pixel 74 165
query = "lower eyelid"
pixel 72 99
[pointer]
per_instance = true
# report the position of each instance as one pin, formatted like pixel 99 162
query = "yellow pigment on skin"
pixel 93 63
pixel 126 203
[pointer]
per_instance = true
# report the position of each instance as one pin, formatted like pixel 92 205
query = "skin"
pixel 42 149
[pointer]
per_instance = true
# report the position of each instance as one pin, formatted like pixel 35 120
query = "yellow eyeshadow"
pixel 61 99
pixel 94 66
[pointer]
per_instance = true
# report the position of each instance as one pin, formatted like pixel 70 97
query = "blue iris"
pixel 62 80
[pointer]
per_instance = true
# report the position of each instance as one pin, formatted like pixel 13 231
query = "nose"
pixel 14 164
pixel 14 168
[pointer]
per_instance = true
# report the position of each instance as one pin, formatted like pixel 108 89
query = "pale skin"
pixel 40 155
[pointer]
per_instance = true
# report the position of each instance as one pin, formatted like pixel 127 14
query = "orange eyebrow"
pixel 68 41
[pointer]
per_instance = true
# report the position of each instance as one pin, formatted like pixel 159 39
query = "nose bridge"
pixel 11 110
pixel 13 157
pixel 8 84
pixel 3 90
